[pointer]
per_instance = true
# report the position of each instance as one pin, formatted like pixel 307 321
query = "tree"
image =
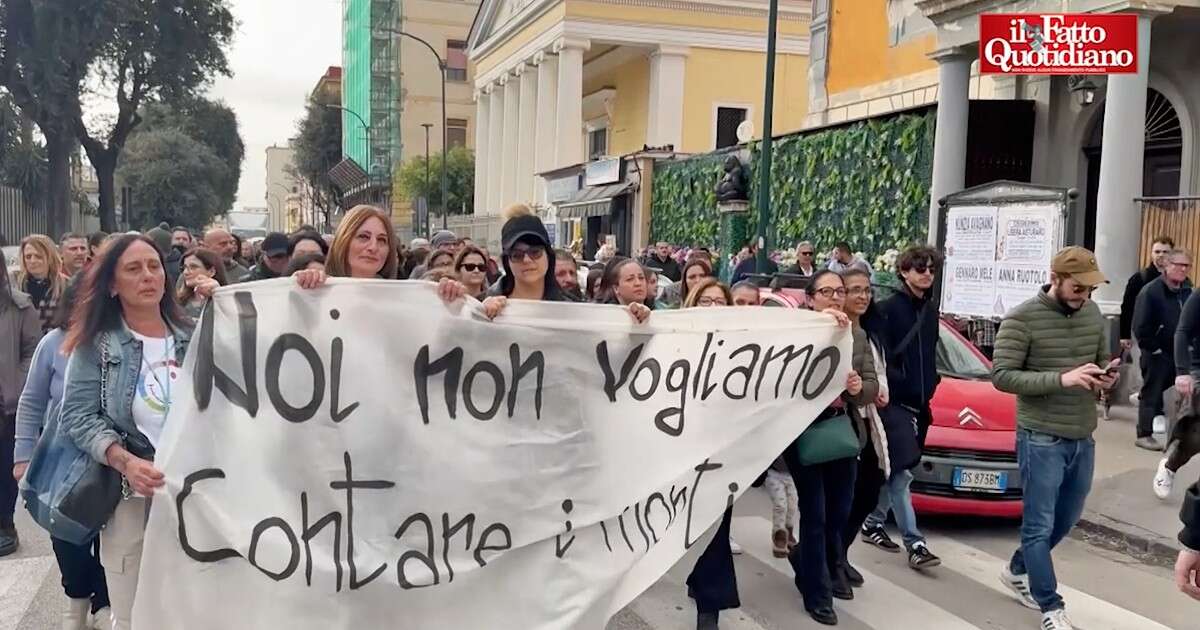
pixel 460 180
pixel 149 48
pixel 22 158
pixel 174 178
pixel 214 125
pixel 46 49
pixel 318 148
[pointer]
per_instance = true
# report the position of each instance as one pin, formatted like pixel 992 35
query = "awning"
pixel 593 201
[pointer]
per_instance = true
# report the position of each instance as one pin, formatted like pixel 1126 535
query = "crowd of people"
pixel 97 329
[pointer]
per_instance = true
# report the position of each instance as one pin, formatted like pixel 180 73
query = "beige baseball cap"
pixel 1080 264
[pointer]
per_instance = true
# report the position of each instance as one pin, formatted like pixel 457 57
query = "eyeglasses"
pixel 473 267
pixel 711 301
pixel 828 292
pixel 859 292
pixel 521 254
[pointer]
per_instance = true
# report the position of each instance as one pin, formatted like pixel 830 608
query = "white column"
pixel 508 176
pixel 664 123
pixel 527 141
pixel 950 137
pixel 481 150
pixel 495 148
pixel 1118 224
pixel 546 119
pixel 569 128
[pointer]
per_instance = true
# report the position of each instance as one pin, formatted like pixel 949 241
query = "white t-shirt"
pixel 156 380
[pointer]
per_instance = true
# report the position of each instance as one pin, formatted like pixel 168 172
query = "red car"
pixel 970 461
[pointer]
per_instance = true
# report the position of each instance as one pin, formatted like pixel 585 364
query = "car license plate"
pixel 980 480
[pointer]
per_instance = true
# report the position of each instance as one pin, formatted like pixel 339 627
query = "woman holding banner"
pixel 823 463
pixel 713 582
pixel 127 341
pixel 529 262
pixel 363 247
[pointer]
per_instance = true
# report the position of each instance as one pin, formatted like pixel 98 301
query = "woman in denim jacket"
pixel 82 575
pixel 127 342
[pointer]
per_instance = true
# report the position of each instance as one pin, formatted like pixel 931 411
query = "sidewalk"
pixel 1122 505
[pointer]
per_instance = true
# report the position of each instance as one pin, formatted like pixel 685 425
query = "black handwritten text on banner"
pixel 361 454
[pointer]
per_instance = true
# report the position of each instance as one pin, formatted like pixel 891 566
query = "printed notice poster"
pixel 971 234
pixel 1028 234
pixel 997 257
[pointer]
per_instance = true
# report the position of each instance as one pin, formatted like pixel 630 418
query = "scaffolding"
pixel 385 120
pixel 369 91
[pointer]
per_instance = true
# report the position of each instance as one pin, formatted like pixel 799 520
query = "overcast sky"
pixel 281 49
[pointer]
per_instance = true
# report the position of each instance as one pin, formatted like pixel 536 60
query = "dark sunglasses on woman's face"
pixel 532 253
pixel 473 267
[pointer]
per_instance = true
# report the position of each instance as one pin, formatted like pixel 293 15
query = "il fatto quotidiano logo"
pixel 1060 43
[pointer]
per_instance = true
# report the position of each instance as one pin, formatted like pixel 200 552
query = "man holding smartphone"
pixel 1052 353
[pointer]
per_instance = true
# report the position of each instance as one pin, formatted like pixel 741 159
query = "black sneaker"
pixel 878 537
pixel 8 541
pixel 853 576
pixel 920 557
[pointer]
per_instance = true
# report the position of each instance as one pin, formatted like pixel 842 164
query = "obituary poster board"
pixel 998 255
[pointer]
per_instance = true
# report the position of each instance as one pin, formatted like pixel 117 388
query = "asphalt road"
pixel 1104 590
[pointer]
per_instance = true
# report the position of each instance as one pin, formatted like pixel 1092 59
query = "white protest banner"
pixel 364 456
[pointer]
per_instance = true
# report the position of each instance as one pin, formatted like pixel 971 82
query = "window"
pixel 597 143
pixel 456 60
pixel 456 132
pixel 728 119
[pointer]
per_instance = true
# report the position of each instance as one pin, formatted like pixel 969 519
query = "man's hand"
pixel 1087 376
pixel 1111 375
pixel 1183 385
pixel 1187 569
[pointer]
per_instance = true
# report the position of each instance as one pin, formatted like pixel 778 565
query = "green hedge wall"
pixel 866 183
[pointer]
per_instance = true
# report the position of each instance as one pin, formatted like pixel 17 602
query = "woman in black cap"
pixel 528 261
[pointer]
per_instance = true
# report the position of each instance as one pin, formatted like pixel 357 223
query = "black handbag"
pixel 68 492
pixel 900 425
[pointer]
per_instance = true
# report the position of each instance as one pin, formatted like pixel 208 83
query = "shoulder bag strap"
pixel 912 333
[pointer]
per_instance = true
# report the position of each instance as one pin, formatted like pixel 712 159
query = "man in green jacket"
pixel 1049 352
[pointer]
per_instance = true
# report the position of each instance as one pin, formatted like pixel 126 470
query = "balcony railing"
pixel 1176 217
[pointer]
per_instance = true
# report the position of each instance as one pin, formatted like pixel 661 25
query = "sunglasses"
pixel 522 254
pixel 473 267
pixel 1080 289
pixel 922 268
pixel 805 253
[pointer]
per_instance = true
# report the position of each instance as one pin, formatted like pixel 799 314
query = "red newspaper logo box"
pixel 1061 43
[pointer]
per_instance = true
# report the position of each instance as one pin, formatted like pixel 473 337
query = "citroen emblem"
pixel 968 416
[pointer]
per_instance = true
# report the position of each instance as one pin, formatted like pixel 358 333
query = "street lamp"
pixel 366 130
pixel 1082 88
pixel 764 181
pixel 442 68
pixel 427 126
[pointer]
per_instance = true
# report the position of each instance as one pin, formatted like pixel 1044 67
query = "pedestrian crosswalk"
pixel 1103 591
pixel 965 593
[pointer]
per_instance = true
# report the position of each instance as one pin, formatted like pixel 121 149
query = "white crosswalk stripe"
pixel 19 582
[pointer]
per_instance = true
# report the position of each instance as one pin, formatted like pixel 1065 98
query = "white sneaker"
pixel 1019 585
pixel 1163 480
pixel 1056 620
pixel 734 548
pixel 103 620
pixel 76 614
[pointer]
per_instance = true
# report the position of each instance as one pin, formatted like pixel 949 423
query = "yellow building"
pixel 445 25
pixel 560 83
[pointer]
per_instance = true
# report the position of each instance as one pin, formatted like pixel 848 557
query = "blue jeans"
pixel 896 496
pixel 1057 473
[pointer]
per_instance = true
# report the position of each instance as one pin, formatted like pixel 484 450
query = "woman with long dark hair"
pixel 127 341
pixel 82 576
pixel 624 283
pixel 471 268
pixel 826 488
pixel 20 329
pixel 203 272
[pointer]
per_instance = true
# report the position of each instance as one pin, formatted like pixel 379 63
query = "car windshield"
pixel 955 358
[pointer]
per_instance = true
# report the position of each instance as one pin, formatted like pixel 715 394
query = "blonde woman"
pixel 40 277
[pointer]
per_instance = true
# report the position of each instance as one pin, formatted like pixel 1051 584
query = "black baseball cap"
pixel 275 244
pixel 526 227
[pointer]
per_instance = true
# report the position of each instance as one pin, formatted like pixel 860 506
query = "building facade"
pixel 285 197
pixel 444 24
pixel 562 84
